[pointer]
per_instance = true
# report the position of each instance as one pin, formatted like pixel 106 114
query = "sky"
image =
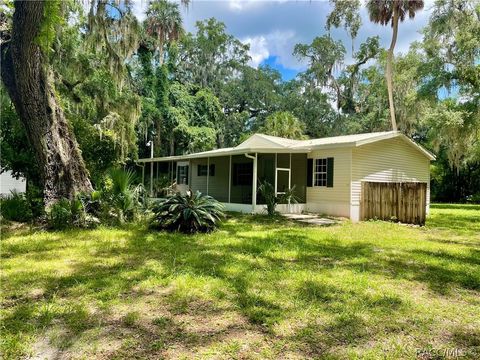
pixel 272 28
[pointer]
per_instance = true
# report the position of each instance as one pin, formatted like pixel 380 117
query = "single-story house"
pixel 328 173
pixel 9 183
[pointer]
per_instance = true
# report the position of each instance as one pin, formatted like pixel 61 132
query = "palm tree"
pixel 284 124
pixel 164 23
pixel 392 11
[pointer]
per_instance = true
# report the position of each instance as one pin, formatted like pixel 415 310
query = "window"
pixel 320 172
pixel 243 174
pixel 202 170
pixel 182 175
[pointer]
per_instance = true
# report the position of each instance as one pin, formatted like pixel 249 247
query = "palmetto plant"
pixel 123 196
pixel 190 213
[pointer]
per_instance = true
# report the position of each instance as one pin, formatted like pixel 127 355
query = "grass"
pixel 257 288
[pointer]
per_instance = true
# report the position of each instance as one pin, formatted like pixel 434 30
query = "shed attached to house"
pixel 331 175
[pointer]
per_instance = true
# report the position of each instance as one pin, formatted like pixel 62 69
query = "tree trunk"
pixel 160 51
pixel 388 72
pixel 29 83
pixel 157 140
pixel 172 146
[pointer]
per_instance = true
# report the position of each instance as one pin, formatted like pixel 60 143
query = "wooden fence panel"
pixel 405 202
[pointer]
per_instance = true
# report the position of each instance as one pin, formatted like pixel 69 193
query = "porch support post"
pixel 208 171
pixel 275 177
pixel 229 178
pixel 254 186
pixel 151 179
pixel 290 173
pixel 151 168
pixel 289 180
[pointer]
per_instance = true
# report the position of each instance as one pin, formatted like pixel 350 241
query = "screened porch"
pixel 231 179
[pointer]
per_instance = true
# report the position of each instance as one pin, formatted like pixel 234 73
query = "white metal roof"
pixel 261 143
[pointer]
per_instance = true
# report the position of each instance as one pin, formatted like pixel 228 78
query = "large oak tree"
pixel 28 79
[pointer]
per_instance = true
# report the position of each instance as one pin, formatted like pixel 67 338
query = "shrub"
pixel 267 191
pixel 161 186
pixel 59 215
pixel 92 202
pixel 473 199
pixel 121 198
pixel 190 213
pixel 15 207
pixel 70 213
pixel 34 196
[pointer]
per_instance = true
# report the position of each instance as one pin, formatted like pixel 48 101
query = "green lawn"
pixel 257 288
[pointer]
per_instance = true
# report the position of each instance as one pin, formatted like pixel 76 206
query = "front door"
pixel 183 176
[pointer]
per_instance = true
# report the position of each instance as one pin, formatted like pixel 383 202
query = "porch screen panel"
pixel 198 183
pixel 265 172
pixel 242 179
pixel 162 179
pixel 218 180
pixel 299 176
pixel 283 161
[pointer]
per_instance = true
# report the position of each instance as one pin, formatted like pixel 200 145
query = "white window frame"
pixel 320 167
pixel 180 169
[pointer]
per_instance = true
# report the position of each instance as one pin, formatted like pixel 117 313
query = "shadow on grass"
pixel 473 207
pixel 460 219
pixel 458 223
pixel 244 265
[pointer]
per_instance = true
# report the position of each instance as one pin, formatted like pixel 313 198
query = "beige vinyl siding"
pixel 332 200
pixel 392 160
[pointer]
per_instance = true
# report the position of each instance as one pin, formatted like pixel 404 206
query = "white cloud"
pixel 258 49
pixel 276 43
pixel 139 8
pixel 241 5
pixel 281 45
pixel 272 28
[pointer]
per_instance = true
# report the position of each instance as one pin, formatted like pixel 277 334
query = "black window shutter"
pixel 309 172
pixel 198 170
pixel 330 172
pixel 212 169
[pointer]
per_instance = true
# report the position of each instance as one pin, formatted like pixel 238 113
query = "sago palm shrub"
pixel 190 213
pixel 267 191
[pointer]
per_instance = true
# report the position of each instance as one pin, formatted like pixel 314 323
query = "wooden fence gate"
pixel 405 202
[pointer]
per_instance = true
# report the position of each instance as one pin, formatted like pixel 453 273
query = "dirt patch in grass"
pixel 258 288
